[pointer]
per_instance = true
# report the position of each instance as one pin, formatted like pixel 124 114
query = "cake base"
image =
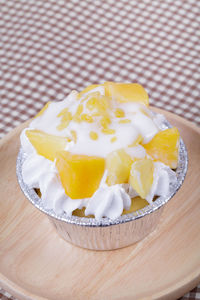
pixel 35 263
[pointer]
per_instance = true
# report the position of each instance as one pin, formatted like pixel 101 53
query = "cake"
pixel 100 153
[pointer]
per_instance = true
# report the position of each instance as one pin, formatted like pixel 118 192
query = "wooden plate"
pixel 35 263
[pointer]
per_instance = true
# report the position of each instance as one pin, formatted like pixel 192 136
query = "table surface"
pixel 49 48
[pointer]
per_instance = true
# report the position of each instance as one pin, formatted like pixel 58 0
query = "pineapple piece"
pixel 164 147
pixel 141 176
pixel 122 92
pixel 126 92
pixel 80 174
pixel 118 164
pixel 46 144
pixel 136 204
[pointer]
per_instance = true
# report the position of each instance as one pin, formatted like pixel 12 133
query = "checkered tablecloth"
pixel 48 48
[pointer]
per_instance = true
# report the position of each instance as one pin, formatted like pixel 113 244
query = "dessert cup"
pixel 107 234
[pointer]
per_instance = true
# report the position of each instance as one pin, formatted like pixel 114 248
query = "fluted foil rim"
pixel 32 196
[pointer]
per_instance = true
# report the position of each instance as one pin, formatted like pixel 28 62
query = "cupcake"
pixel 100 158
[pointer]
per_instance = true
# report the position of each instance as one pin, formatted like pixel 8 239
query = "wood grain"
pixel 35 263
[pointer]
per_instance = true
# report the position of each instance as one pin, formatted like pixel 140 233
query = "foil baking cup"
pixel 107 234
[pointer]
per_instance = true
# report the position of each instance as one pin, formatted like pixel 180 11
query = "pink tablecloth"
pixel 48 48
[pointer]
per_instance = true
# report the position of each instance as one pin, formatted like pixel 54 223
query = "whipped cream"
pixel 107 201
pixel 125 133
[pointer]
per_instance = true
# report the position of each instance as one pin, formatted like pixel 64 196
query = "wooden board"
pixel 35 263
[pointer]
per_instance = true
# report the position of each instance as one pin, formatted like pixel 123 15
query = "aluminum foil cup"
pixel 107 234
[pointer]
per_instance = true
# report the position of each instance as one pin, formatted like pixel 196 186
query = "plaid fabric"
pixel 48 48
pixel 51 47
pixel 5 295
pixel 192 295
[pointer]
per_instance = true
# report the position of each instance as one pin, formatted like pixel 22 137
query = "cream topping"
pixel 108 201
pixel 124 134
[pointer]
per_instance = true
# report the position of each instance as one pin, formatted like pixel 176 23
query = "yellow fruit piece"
pixel 119 113
pixel 63 112
pixel 164 147
pixel 87 118
pixel 113 139
pixel 136 204
pixel 77 115
pixel 118 164
pixel 105 121
pixel 79 109
pixel 91 103
pixel 141 176
pixel 93 135
pixel 80 174
pixel 108 131
pixel 88 89
pixel 126 92
pixel 46 144
pixel 97 104
pixel 124 121
pixel 43 110
pixel 66 117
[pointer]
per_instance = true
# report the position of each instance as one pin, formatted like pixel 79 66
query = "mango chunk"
pixel 164 147
pixel 46 144
pixel 80 174
pixel 122 92
pixel 141 176
pixel 118 164
pixel 126 92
